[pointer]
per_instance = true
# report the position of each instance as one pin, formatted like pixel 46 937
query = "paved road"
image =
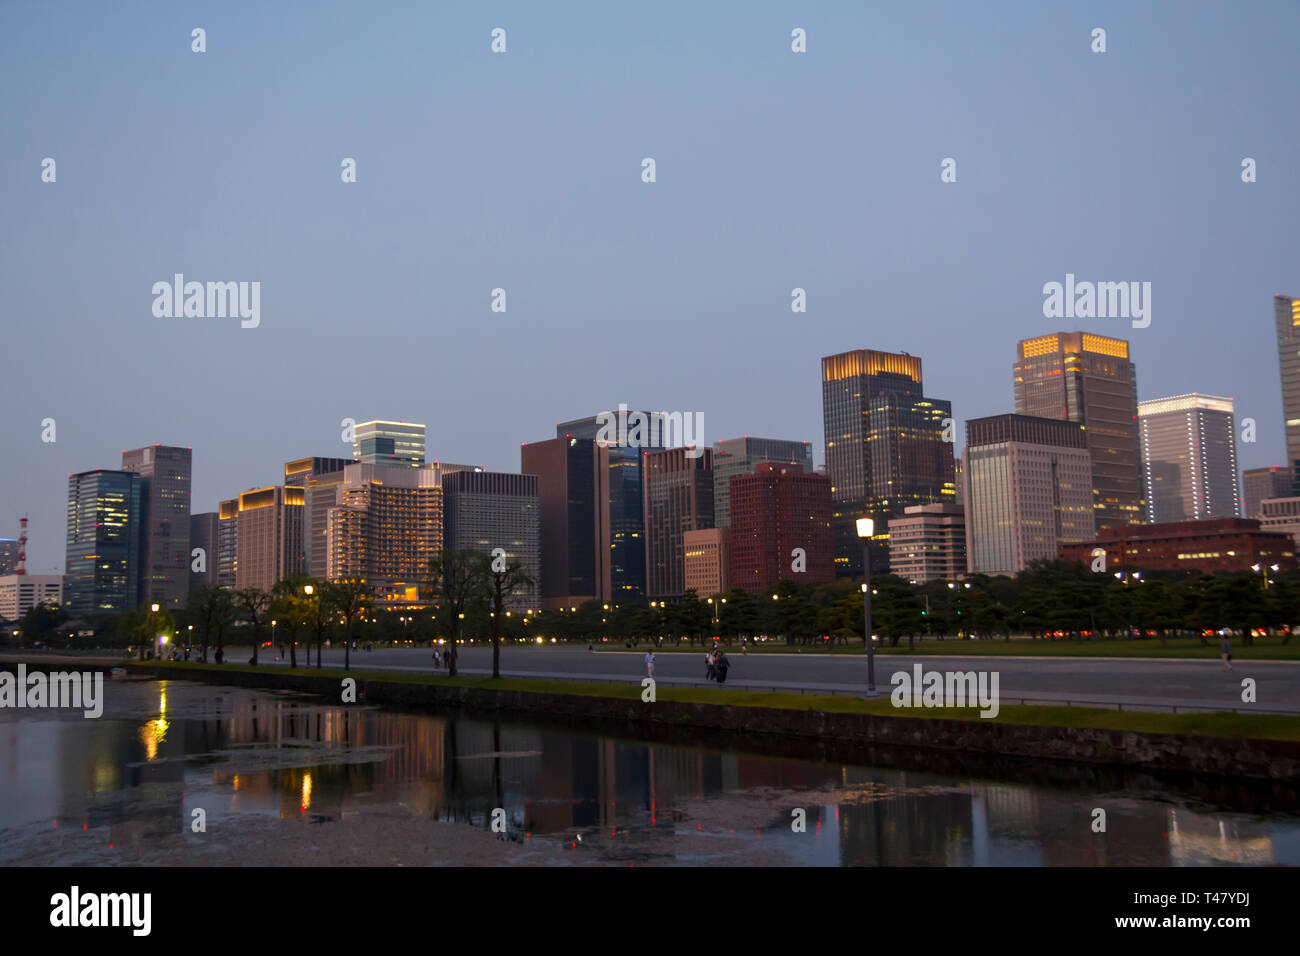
pixel 1137 683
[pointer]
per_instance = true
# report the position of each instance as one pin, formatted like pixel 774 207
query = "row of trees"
pixel 469 592
pixel 1049 600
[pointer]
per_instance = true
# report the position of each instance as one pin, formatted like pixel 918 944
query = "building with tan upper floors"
pixel 269 537
pixel 706 562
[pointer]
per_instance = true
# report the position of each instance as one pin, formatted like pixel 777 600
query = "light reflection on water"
pixel 163 749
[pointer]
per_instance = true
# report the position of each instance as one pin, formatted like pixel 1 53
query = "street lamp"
pixel 865 527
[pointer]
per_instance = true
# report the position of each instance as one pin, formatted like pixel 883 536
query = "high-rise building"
pixel 388 443
pixel 203 549
pixel 1257 484
pixel 105 511
pixel 928 543
pixel 573 476
pixel 1286 316
pixel 8 555
pixel 1091 380
pixel 706 562
pixel 738 456
pixel 269 540
pixel 678 498
pixel 626 493
pixel 1189 458
pixel 227 543
pixel 165 559
pixel 485 510
pixel 780 528
pixel 19 593
pixel 319 479
pixel 386 529
pixel 1028 488
pixel 888 447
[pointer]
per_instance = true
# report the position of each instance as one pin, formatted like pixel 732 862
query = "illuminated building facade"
pixel 103 542
pixel 388 443
pixel 227 543
pixel 1091 380
pixel 888 447
pixel 1189 458
pixel 319 479
pixel 386 529
pixel 270 537
pixel 1218 544
pixel 706 562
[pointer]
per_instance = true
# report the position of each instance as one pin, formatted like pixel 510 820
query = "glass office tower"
pixel 105 528
pixel 1090 379
pixel 885 447
pixel 388 443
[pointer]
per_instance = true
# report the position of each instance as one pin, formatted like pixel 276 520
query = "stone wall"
pixel 1277 760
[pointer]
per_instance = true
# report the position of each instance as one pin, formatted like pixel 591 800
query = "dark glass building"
pixel 484 510
pixel 885 448
pixel 1090 379
pixel 626 520
pixel 104 543
pixel 165 523
pixel 573 519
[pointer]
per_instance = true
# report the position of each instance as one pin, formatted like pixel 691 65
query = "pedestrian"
pixel 708 665
pixel 721 667
pixel 436 662
pixel 650 664
pixel 1225 648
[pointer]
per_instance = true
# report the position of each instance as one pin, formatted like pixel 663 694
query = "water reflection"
pixel 254 760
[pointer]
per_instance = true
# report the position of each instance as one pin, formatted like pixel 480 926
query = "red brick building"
pixel 1221 544
pixel 775 510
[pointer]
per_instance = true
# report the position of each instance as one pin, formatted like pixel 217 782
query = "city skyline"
pixel 674 294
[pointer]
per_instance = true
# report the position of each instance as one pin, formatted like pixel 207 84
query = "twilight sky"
pixel 523 171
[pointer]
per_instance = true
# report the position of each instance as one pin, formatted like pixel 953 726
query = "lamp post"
pixel 1259 569
pixel 865 527
pixel 308 590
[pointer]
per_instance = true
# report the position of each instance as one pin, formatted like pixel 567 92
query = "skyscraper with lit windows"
pixel 1090 379
pixel 888 447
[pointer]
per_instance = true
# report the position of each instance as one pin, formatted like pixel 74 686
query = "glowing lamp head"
pixel 866 527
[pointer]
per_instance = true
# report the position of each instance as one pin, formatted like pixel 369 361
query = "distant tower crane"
pixel 21 566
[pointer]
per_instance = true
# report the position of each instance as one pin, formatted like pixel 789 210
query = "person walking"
pixel 650 664
pixel 1225 648
pixel 708 665
pixel 721 666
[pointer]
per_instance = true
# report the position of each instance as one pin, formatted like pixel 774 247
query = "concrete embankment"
pixel 1277 760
